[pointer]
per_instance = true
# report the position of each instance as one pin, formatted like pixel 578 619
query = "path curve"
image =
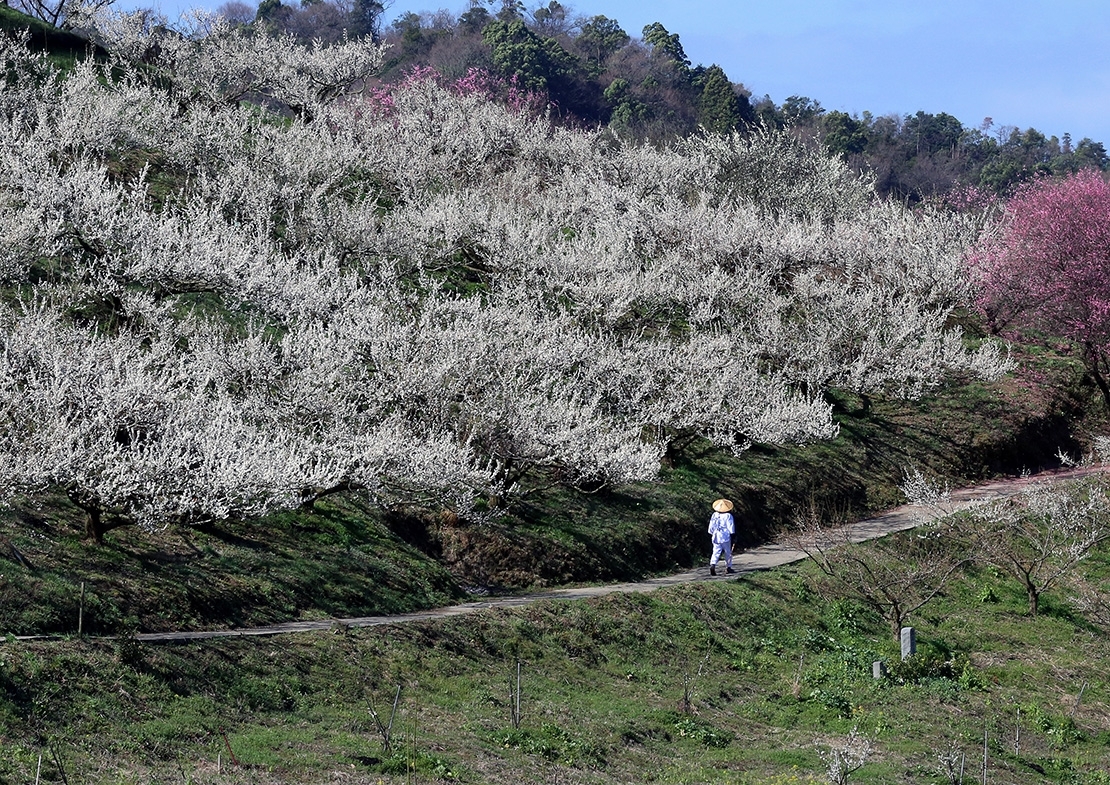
pixel 761 558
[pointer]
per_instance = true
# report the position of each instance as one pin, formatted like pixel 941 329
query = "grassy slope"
pixel 64 47
pixel 775 676
pixel 336 562
pixel 772 670
pixel 349 560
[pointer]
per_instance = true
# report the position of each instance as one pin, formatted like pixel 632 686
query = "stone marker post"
pixel 909 642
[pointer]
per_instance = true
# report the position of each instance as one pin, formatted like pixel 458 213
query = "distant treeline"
pixel 594 73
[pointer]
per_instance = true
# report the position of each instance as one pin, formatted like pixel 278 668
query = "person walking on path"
pixel 721 529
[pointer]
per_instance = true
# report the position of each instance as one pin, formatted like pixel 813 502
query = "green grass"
pixel 776 674
pixel 773 683
pixel 336 561
pixel 63 48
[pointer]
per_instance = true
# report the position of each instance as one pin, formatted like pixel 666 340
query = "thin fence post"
pixel 514 699
pixel 58 763
pixel 984 755
pixel 1078 700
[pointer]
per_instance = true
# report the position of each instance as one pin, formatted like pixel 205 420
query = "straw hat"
pixel 722 505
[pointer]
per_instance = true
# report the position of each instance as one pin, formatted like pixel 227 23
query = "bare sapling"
pixel 951 762
pixel 689 681
pixel 895 576
pixel 796 685
pixel 845 759
pixel 385 729
pixel 1039 537
pixel 933 497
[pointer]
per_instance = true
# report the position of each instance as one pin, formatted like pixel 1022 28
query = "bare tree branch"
pixel 895 576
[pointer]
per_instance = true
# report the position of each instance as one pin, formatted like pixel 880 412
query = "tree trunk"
pixel 94 524
pixel 309 496
pixel 1093 359
pixel 97 524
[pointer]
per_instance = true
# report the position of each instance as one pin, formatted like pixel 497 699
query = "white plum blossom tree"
pixel 236 278
pixel 1040 536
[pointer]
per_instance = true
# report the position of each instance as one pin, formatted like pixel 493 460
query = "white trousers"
pixel 718 549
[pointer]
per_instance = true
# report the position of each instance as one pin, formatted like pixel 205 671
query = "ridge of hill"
pixel 762 680
pixel 62 46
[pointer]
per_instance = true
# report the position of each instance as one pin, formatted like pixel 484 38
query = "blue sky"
pixel 1023 63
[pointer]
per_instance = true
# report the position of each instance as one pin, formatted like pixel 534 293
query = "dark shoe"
pixel 730 571
pixel 712 570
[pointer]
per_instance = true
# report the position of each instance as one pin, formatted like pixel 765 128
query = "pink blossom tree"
pixel 1048 266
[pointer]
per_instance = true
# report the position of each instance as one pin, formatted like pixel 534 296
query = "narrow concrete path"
pixel 764 557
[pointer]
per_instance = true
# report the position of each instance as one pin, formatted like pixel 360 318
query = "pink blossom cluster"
pixel 1048 266
pixel 476 81
pixel 968 198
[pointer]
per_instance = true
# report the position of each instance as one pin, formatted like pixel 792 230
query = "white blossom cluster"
pixel 233 282
pixel 1059 521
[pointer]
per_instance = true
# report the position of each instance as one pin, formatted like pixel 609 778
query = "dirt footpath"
pixel 761 558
